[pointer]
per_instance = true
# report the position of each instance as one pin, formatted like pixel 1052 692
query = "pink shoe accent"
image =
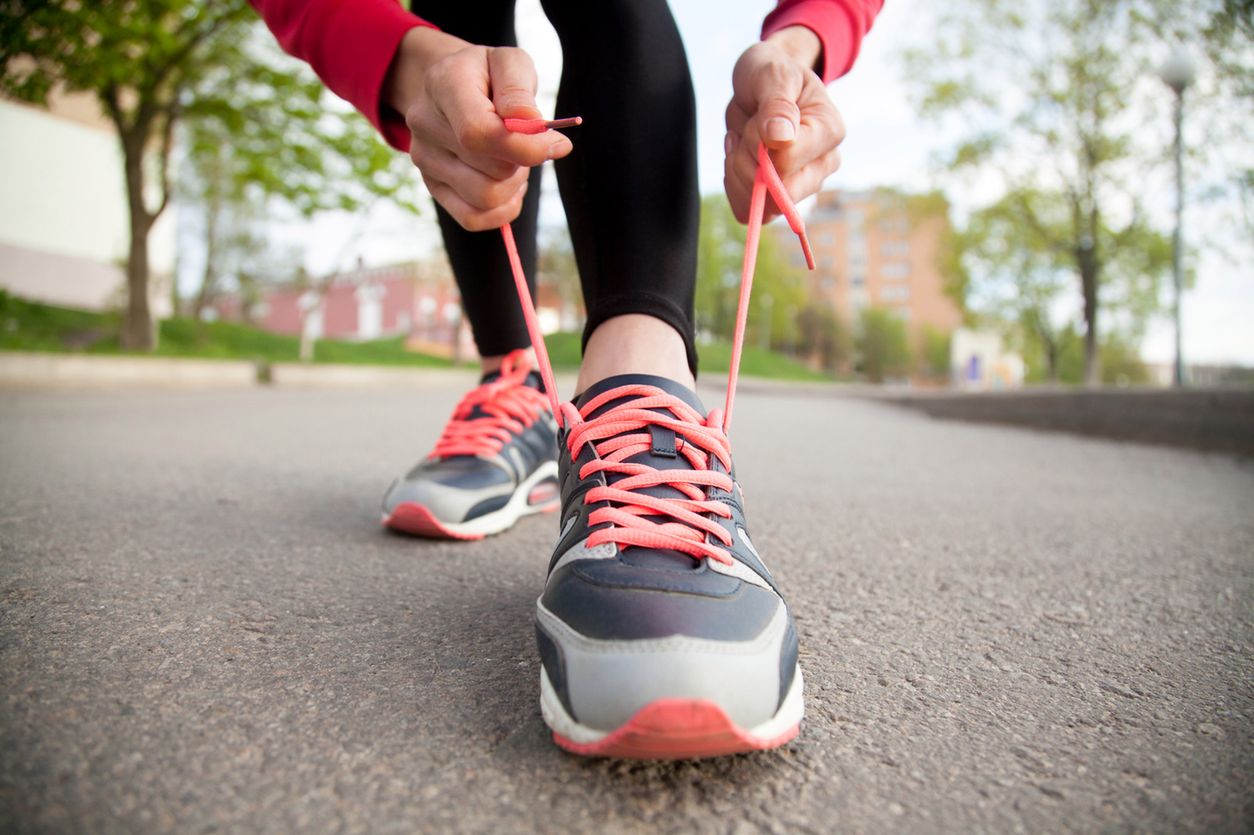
pixel 413 518
pixel 675 729
pixel 542 493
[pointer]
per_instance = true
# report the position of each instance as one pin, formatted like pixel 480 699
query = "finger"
pixel 776 89
pixel 809 180
pixel 480 191
pixel 474 125
pixel 513 79
pixel 469 217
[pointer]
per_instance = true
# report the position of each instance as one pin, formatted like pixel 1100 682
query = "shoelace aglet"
pixel 533 126
pixel 786 206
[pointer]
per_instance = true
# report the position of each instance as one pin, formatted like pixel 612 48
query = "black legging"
pixel 629 187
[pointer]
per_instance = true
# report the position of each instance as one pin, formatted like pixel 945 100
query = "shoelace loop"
pixel 616 436
pixel 492 413
pixel 686 526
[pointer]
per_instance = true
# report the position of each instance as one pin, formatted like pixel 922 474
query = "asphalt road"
pixel 204 629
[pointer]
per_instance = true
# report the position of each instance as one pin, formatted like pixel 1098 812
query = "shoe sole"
pixel 532 496
pixel 673 729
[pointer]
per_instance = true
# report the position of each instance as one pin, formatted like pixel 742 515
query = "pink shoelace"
pixel 492 413
pixel 623 431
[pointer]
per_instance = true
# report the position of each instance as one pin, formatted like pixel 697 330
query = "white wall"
pixel 63 221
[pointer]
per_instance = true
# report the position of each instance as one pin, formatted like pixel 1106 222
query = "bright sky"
pixel 886 145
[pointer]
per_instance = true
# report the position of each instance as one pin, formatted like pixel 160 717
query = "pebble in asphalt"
pixel 204 629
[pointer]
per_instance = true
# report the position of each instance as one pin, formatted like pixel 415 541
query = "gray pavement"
pixel 204 630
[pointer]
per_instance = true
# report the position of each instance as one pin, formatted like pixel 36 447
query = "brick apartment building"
pixel 880 248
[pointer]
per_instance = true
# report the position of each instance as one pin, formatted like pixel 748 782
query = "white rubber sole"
pixel 788 717
pixel 498 520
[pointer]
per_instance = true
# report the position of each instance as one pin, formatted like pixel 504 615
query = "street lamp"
pixel 1177 73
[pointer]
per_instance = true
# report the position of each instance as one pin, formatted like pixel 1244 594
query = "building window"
pixel 895 293
pixel 858 280
pixel 895 269
pixel 895 249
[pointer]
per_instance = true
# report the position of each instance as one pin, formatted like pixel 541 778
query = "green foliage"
pixel 883 345
pixel 778 287
pixel 824 336
pixel 258 126
pixel 30 326
pixel 715 358
pixel 934 353
pixel 263 127
pixel 1052 92
pixel 1121 363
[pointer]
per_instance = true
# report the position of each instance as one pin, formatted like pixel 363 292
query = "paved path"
pixel 203 629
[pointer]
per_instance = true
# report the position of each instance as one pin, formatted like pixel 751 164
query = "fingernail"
pixel 557 149
pixel 780 130
pixel 728 144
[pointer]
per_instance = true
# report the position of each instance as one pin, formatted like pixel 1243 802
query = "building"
pixel 880 248
pixel 416 300
pixel 980 362
pixel 64 230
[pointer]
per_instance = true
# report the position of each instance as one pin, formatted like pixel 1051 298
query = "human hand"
pixel 777 99
pixel 454 97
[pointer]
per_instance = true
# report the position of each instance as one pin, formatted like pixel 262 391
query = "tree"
pixel 155 65
pixel 778 287
pixel 824 337
pixel 935 348
pixel 1051 89
pixel 281 142
pixel 882 344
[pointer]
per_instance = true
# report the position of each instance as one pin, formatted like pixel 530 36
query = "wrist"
pixel 421 47
pixel 799 43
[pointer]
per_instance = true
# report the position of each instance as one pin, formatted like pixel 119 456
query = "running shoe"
pixel 494 463
pixel 661 633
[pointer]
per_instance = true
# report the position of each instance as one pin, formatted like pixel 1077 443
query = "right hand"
pixel 454 96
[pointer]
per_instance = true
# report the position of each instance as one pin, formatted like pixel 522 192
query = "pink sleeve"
pixel 349 44
pixel 840 25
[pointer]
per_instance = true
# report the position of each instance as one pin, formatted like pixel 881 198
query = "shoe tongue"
pixel 660 457
pixel 534 380
pixel 665 384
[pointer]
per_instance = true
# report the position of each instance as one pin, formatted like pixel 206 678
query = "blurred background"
pixel 1032 193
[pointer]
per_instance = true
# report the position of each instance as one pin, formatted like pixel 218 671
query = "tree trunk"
pixel 1087 258
pixel 138 332
pixel 208 280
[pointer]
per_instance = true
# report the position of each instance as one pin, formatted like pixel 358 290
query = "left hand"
pixel 778 99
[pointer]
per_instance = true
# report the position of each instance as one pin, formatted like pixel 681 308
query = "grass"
pixel 30 326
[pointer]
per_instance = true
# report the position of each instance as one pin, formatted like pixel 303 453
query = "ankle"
pixel 634 344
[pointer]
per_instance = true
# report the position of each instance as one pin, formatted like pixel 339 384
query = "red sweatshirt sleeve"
pixel 840 25
pixel 349 44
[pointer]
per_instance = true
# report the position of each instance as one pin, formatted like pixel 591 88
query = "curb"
pixel 1213 419
pixel 34 370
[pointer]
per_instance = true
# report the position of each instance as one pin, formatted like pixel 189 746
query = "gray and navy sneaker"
pixel 661 633
pixel 494 464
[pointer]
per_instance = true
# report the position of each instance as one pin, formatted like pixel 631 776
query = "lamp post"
pixel 1177 73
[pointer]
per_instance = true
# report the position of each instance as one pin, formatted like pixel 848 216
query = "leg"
pixel 478 259
pixel 630 186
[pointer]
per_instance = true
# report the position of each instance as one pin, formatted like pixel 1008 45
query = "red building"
pixel 418 301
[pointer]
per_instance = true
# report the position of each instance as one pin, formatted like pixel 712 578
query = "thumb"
pixel 513 79
pixel 778 117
